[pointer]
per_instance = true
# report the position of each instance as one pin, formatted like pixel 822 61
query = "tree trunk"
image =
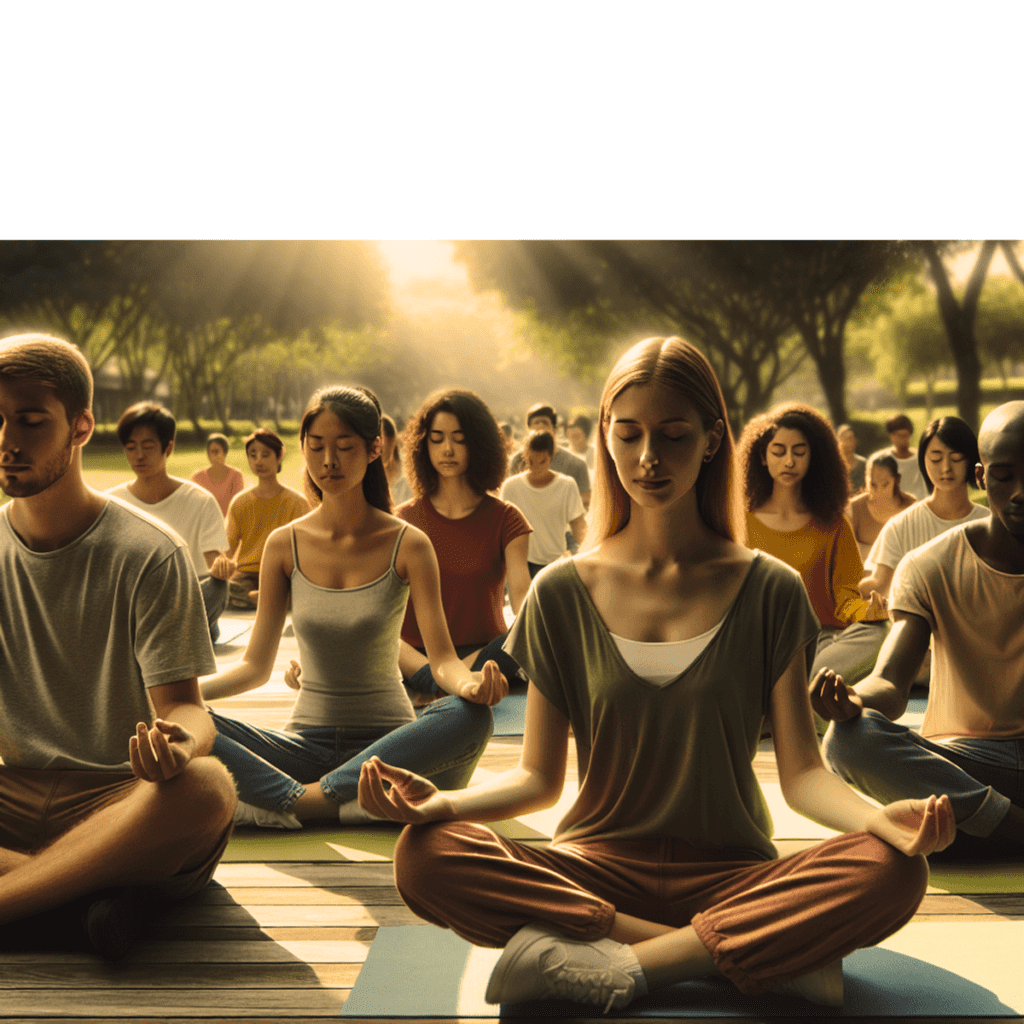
pixel 959 320
pixel 831 374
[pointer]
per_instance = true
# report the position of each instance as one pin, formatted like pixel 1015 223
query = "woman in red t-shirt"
pixel 454 455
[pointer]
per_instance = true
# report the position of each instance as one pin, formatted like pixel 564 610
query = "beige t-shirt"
pixel 669 761
pixel 977 619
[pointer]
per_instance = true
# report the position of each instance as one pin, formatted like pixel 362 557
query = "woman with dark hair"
pixel 455 452
pixel 347 569
pixel 883 499
pixel 220 479
pixel 401 491
pixel 796 487
pixel 254 514
pixel 663 644
pixel 947 454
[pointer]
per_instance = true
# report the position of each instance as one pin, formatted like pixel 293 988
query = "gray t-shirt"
pixel 675 760
pixel 86 630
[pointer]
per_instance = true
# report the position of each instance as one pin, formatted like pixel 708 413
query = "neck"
pixel 659 536
pixel 346 514
pixel 951 504
pixel 57 516
pixel 901 453
pixel 152 489
pixel 453 495
pixel 785 500
pixel 268 486
pixel 997 547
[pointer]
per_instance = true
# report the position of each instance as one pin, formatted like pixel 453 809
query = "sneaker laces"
pixel 594 985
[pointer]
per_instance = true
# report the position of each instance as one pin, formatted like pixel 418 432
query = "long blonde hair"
pixel 680 366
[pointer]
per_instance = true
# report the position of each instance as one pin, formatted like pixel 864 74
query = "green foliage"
pixel 1000 325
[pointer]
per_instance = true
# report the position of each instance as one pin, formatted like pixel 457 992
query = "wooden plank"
pixel 291 916
pixel 275 1003
pixel 176 976
pixel 319 875
pixel 253 933
pixel 278 951
pixel 277 895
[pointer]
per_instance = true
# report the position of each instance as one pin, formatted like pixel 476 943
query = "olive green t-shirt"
pixel 674 760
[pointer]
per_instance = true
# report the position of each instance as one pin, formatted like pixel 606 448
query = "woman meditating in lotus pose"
pixel 454 454
pixel 348 568
pixel 796 487
pixel 663 644
pixel 220 479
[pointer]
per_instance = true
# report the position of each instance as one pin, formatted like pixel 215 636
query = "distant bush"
pixel 105 434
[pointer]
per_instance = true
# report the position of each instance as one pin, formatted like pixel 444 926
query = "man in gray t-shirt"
pixel 103 730
pixel 544 417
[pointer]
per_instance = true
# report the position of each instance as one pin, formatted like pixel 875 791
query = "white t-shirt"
pixel 911 481
pixel 549 510
pixel 977 679
pixel 194 515
pixel 910 529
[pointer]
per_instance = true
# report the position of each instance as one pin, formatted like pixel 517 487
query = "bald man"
pixel 965 589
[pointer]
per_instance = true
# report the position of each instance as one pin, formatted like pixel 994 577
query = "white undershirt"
pixel 659 664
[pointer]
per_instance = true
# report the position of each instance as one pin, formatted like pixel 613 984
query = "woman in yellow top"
pixel 796 487
pixel 254 514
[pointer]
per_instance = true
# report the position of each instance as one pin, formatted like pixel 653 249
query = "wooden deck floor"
pixel 281 941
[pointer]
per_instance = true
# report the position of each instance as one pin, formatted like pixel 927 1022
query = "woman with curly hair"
pixel 454 455
pixel 796 487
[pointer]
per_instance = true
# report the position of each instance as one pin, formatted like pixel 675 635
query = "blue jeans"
pixel 272 768
pixel 892 762
pixel 422 680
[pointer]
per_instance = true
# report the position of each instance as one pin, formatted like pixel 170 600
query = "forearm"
pixel 240 678
pixel 451 675
pixel 197 721
pixel 880 694
pixel 517 791
pixel 825 798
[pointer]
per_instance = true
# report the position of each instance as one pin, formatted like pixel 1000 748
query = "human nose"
pixel 447 446
pixel 649 457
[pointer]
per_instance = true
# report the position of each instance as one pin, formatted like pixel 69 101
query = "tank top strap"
pixel 295 550
pixel 394 554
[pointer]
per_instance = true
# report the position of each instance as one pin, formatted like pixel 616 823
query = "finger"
pixel 166 758
pixel 146 754
pixel 136 761
pixel 172 730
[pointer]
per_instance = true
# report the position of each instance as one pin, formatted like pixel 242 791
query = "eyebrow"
pixel 320 437
pixel 33 409
pixel 662 423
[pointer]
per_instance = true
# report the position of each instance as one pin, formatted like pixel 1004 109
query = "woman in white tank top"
pixel 348 568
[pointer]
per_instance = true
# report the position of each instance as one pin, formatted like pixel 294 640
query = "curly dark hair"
pixel 826 487
pixel 485 442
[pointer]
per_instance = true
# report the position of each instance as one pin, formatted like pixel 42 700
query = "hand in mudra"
pixel 410 798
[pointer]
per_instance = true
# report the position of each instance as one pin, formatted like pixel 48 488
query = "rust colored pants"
pixel 763 922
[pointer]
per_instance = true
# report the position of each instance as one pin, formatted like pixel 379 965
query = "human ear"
pixel 376 448
pixel 82 428
pixel 979 475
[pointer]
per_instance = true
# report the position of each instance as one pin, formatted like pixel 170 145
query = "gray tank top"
pixel 348 649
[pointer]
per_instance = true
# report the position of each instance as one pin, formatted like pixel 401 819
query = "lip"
pixel 652 485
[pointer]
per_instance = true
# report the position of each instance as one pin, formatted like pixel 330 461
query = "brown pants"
pixel 39 806
pixel 763 922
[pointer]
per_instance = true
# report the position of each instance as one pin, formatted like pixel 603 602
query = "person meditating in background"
pixel 947 454
pixel 220 479
pixel 254 514
pixel 796 488
pixel 856 465
pixel 870 511
pixel 663 645
pixel 455 454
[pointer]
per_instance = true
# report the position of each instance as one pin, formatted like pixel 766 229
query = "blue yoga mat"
pixel 430 972
pixel 510 715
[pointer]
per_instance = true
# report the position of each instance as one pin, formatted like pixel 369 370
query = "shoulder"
pixel 242 500
pixel 234 474
pixel 198 475
pixel 134 527
pixel 940 552
pixel 187 490
pixel 979 511
pixel 293 494
pixel 412 511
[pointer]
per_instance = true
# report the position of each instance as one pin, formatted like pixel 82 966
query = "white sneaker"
pixel 246 814
pixel 351 813
pixel 542 964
